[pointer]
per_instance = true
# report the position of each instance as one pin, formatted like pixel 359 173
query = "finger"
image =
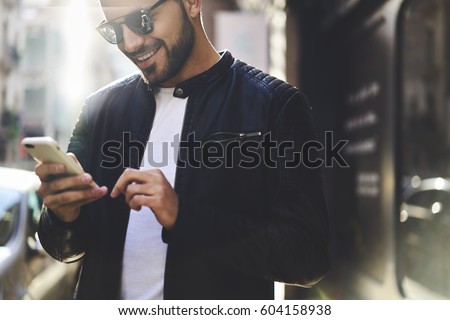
pixel 45 171
pixel 80 203
pixel 137 201
pixel 129 176
pixel 72 197
pixel 65 183
pixel 70 212
pixel 142 189
pixel 165 216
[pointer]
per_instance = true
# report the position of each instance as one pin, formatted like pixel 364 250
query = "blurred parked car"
pixel 26 271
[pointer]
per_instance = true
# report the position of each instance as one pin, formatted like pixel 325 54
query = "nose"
pixel 132 42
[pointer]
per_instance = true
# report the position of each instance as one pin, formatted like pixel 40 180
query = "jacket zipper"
pixel 150 127
pixel 184 133
pixel 250 135
pixel 228 136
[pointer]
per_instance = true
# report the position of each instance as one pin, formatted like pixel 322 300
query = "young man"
pixel 226 214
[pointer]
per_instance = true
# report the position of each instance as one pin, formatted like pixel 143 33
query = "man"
pixel 228 216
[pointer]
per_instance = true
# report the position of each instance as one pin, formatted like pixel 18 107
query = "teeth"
pixel 147 56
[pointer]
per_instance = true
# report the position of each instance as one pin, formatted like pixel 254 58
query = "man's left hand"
pixel 151 189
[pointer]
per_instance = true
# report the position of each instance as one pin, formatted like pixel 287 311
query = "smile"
pixel 147 56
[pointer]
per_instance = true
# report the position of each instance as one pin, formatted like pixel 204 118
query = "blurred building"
pixel 8 63
pixel 52 59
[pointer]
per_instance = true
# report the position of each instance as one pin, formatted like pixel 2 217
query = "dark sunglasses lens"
pixel 110 33
pixel 134 21
pixel 139 22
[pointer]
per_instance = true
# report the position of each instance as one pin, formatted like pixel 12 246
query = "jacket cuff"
pixel 60 239
pixel 61 224
pixel 169 235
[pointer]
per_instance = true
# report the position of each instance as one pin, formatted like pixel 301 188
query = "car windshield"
pixel 9 212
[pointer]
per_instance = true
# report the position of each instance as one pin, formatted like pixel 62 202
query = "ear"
pixel 193 8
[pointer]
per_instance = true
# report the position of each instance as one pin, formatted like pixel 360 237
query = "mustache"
pixel 144 49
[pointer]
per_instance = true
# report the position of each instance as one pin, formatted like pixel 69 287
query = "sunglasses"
pixel 139 21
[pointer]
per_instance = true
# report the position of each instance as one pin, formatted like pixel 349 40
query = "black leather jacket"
pixel 239 229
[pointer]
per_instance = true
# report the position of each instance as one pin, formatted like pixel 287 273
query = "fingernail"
pixel 114 193
pixel 86 178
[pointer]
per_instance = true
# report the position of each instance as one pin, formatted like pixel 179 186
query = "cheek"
pixel 168 27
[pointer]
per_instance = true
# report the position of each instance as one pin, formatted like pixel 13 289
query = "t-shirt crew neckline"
pixel 165 90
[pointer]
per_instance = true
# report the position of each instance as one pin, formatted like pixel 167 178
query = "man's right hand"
pixel 59 195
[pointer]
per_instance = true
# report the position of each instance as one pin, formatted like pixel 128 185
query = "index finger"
pixel 45 170
pixel 128 176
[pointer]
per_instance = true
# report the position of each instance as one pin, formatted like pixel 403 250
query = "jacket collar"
pixel 185 88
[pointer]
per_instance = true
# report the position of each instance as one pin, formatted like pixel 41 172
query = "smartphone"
pixel 47 150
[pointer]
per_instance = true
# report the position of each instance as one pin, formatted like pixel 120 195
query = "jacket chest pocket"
pixel 238 150
pixel 235 172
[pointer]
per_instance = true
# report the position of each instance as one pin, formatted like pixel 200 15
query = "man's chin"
pixel 154 80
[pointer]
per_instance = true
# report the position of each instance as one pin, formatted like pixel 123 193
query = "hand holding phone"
pixel 64 189
pixel 47 150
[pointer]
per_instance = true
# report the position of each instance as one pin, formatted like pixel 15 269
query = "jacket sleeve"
pixel 66 241
pixel 61 240
pixel 290 243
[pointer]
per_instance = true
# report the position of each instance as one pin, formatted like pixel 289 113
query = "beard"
pixel 177 55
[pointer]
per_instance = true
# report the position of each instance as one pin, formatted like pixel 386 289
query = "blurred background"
pixel 376 73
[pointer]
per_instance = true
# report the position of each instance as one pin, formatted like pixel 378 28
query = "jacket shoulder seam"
pixel 119 84
pixel 280 89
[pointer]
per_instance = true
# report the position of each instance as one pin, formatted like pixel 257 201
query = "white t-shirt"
pixel 145 254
